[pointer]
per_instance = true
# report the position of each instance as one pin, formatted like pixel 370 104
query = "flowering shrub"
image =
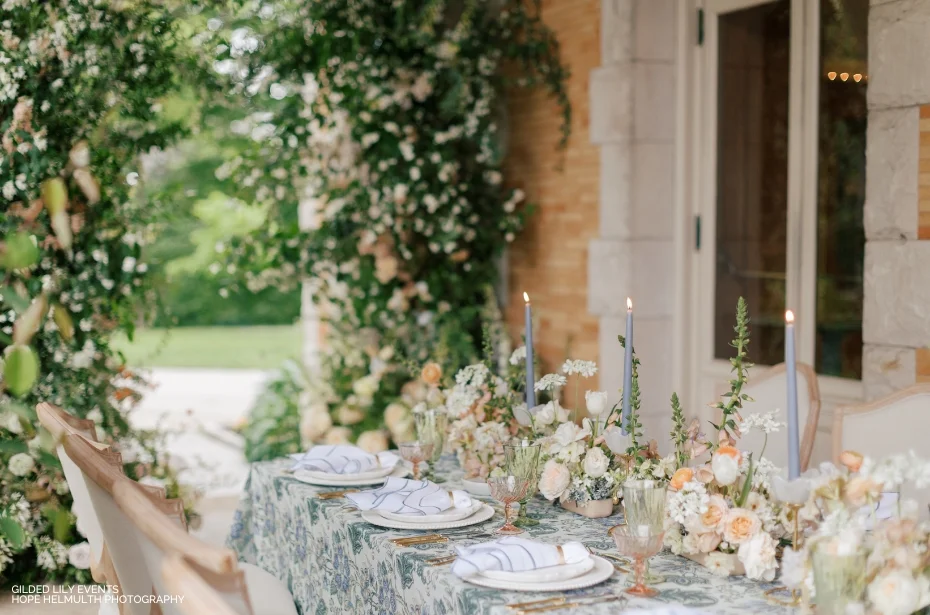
pixel 78 84
pixel 383 120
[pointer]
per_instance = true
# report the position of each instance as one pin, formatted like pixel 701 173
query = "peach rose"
pixel 431 373
pixel 713 519
pixel 860 490
pixel 681 476
pixel 852 460
pixel 708 542
pixel 704 474
pixel 741 525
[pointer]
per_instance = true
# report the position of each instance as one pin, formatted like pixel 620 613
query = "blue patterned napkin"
pixel 342 459
pixel 515 554
pixel 405 496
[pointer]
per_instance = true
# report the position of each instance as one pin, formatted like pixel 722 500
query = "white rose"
pixel 726 468
pixel 21 464
pixel 898 593
pixel 314 424
pixel 365 387
pixel 554 480
pixel 561 414
pixel 347 415
pixel 79 556
pixel 595 463
pixel 337 435
pixel 372 441
pixel 546 415
pixel 596 402
pixel 568 433
pixel 758 557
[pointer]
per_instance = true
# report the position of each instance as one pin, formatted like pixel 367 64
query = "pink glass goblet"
pixel 639 543
pixel 415 453
pixel 509 489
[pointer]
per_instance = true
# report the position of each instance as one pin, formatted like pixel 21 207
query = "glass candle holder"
pixel 839 580
pixel 521 458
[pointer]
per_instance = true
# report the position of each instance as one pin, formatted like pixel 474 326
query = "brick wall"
pixel 549 260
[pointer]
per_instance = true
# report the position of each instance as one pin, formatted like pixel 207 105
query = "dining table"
pixel 334 562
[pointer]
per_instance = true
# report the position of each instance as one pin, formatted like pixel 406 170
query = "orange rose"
pixel 682 476
pixel 741 525
pixel 852 460
pixel 431 373
pixel 712 520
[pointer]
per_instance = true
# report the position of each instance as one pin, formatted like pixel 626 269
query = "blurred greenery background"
pixel 197 323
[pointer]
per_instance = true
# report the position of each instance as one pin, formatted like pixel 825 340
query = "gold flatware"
pixel 568 605
pixel 440 561
pixel 553 600
pixel 419 540
pixel 333 495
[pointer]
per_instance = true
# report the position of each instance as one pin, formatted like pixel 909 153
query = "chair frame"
pixel 198 596
pixel 842 411
pixel 809 434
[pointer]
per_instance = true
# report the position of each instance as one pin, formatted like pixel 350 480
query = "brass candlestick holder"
pixel 771 594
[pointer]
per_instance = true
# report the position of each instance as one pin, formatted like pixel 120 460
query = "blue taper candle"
pixel 627 367
pixel 791 371
pixel 530 379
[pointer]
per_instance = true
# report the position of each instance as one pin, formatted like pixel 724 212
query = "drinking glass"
pixel 521 458
pixel 415 452
pixel 644 506
pixel 839 580
pixel 508 489
pixel 638 543
pixel 432 426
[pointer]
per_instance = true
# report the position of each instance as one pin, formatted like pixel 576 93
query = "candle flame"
pixel 789 316
pixel 629 303
pixel 526 297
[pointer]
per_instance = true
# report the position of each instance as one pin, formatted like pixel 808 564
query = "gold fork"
pixel 440 561
pixel 419 540
pixel 568 605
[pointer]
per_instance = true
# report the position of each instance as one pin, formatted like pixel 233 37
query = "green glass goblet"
pixel 521 458
pixel 432 426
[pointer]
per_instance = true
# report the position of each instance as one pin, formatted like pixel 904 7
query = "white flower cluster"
pixel 550 382
pixel 586 369
pixel 688 502
pixel 763 421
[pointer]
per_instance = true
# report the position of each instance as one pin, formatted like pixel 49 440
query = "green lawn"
pixel 242 347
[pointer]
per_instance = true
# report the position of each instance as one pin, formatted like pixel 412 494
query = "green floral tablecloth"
pixel 336 563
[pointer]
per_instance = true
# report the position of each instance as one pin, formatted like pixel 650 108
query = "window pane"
pixel 752 176
pixel 841 186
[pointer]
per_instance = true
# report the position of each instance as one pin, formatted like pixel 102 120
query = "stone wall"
pixel 549 260
pixel 896 314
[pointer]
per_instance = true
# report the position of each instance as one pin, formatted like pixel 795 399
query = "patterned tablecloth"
pixel 336 563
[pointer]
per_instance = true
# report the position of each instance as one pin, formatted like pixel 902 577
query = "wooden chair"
pixel 197 596
pixel 890 425
pixel 122 547
pixel 142 536
pixel 769 390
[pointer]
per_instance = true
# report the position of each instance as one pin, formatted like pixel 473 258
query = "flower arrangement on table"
pixel 723 513
pixel 888 547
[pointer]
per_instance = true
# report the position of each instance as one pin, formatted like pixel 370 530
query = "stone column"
pixel 633 122
pixel 896 311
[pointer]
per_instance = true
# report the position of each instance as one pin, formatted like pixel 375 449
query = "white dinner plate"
pixel 374 517
pixel 376 473
pixel 476 487
pixel 338 480
pixel 601 571
pixel 451 514
pixel 549 574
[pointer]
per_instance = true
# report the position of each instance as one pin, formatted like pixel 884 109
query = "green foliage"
pixel 734 398
pixel 633 427
pixel 273 427
pixel 679 433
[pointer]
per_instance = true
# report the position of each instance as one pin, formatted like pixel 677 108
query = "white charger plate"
pixel 376 473
pixel 451 514
pixel 476 487
pixel 374 517
pixel 601 571
pixel 549 574
pixel 339 480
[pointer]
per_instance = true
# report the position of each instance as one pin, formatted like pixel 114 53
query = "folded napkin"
pixel 342 459
pixel 404 496
pixel 515 554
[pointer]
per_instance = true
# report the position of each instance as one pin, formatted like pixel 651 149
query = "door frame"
pixel 696 144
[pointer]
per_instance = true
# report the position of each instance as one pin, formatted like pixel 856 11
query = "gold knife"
pixel 566 605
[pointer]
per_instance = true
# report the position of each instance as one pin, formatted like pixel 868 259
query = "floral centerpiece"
pixel 723 513
pixel 844 519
